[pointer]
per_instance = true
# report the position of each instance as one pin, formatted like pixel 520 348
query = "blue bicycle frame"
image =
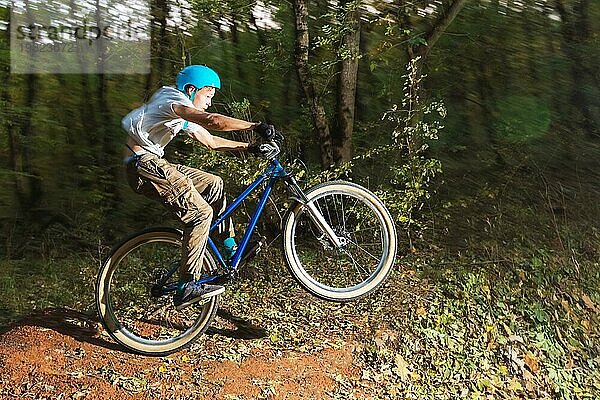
pixel 272 174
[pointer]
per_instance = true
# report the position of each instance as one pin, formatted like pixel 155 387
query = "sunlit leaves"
pixel 416 123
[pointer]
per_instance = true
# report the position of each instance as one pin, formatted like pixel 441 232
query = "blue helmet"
pixel 199 76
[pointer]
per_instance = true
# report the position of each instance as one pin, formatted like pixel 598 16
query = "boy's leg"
pixel 162 181
pixel 211 189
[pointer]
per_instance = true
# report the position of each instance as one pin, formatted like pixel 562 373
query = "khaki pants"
pixel 194 196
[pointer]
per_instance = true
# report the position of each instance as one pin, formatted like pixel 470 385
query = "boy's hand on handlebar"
pixel 268 132
pixel 263 149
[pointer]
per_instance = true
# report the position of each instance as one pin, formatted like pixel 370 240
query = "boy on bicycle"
pixel 194 196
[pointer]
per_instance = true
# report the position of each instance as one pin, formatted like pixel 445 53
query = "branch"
pixel 440 27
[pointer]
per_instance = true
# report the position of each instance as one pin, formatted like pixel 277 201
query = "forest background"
pixel 477 122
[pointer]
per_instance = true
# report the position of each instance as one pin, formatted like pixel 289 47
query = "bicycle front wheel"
pixel 365 230
pixel 140 320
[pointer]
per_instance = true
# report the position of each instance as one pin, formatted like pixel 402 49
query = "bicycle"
pixel 339 242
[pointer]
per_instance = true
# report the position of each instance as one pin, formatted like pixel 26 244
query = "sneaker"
pixel 194 292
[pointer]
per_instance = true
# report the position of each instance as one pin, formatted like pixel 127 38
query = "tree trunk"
pixel 262 41
pixel 34 183
pixel 109 152
pixel 14 150
pixel 440 27
pixel 22 146
pixel 575 30
pixel 422 51
pixel 347 78
pixel 264 72
pixel 237 51
pixel 436 31
pixel 159 45
pixel 319 118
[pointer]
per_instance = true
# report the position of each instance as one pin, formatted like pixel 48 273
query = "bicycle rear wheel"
pixel 366 232
pixel 131 314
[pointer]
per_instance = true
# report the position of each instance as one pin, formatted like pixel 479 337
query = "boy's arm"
pixel 215 142
pixel 213 121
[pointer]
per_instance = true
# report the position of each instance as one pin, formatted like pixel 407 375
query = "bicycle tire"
pixel 345 206
pixel 123 297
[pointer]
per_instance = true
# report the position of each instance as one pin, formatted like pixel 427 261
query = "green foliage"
pixel 35 284
pixel 522 119
pixel 339 21
pixel 502 322
pixel 416 123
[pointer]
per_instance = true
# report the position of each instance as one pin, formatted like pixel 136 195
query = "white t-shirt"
pixel 155 124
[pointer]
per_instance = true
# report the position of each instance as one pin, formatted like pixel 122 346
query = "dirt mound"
pixel 63 354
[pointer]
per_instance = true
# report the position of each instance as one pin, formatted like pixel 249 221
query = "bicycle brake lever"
pixel 275 152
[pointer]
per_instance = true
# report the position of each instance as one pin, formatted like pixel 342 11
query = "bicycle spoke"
pixel 336 211
pixel 367 229
pixel 343 215
pixel 357 266
pixel 359 247
pixel 375 245
pixel 154 313
pixel 327 207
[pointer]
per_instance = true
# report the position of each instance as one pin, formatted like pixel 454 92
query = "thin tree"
pixel 319 118
pixel 347 80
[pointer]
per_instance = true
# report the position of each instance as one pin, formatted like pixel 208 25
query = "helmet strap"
pixel 194 91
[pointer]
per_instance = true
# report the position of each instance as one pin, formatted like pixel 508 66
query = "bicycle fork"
pixel 313 212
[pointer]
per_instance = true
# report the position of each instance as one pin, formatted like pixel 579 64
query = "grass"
pixel 34 284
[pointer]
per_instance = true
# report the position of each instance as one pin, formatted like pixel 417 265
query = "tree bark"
pixel 423 50
pixel 262 41
pixel 31 192
pixel 575 30
pixel 438 29
pixel 237 51
pixel 347 79
pixel 34 183
pixel 14 150
pixel 319 118
pixel 159 45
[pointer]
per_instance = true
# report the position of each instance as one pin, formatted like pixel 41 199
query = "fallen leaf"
pixel 393 391
pixel 515 384
pixel 529 384
pixel 566 307
pixel 421 312
pixel 532 363
pixel 79 394
pixel 380 342
pixel 515 338
pixel 401 367
pixel 514 357
pixel 589 303
pixel 586 324
pixel 366 375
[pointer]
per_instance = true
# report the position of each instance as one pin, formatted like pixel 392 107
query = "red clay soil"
pixel 59 354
